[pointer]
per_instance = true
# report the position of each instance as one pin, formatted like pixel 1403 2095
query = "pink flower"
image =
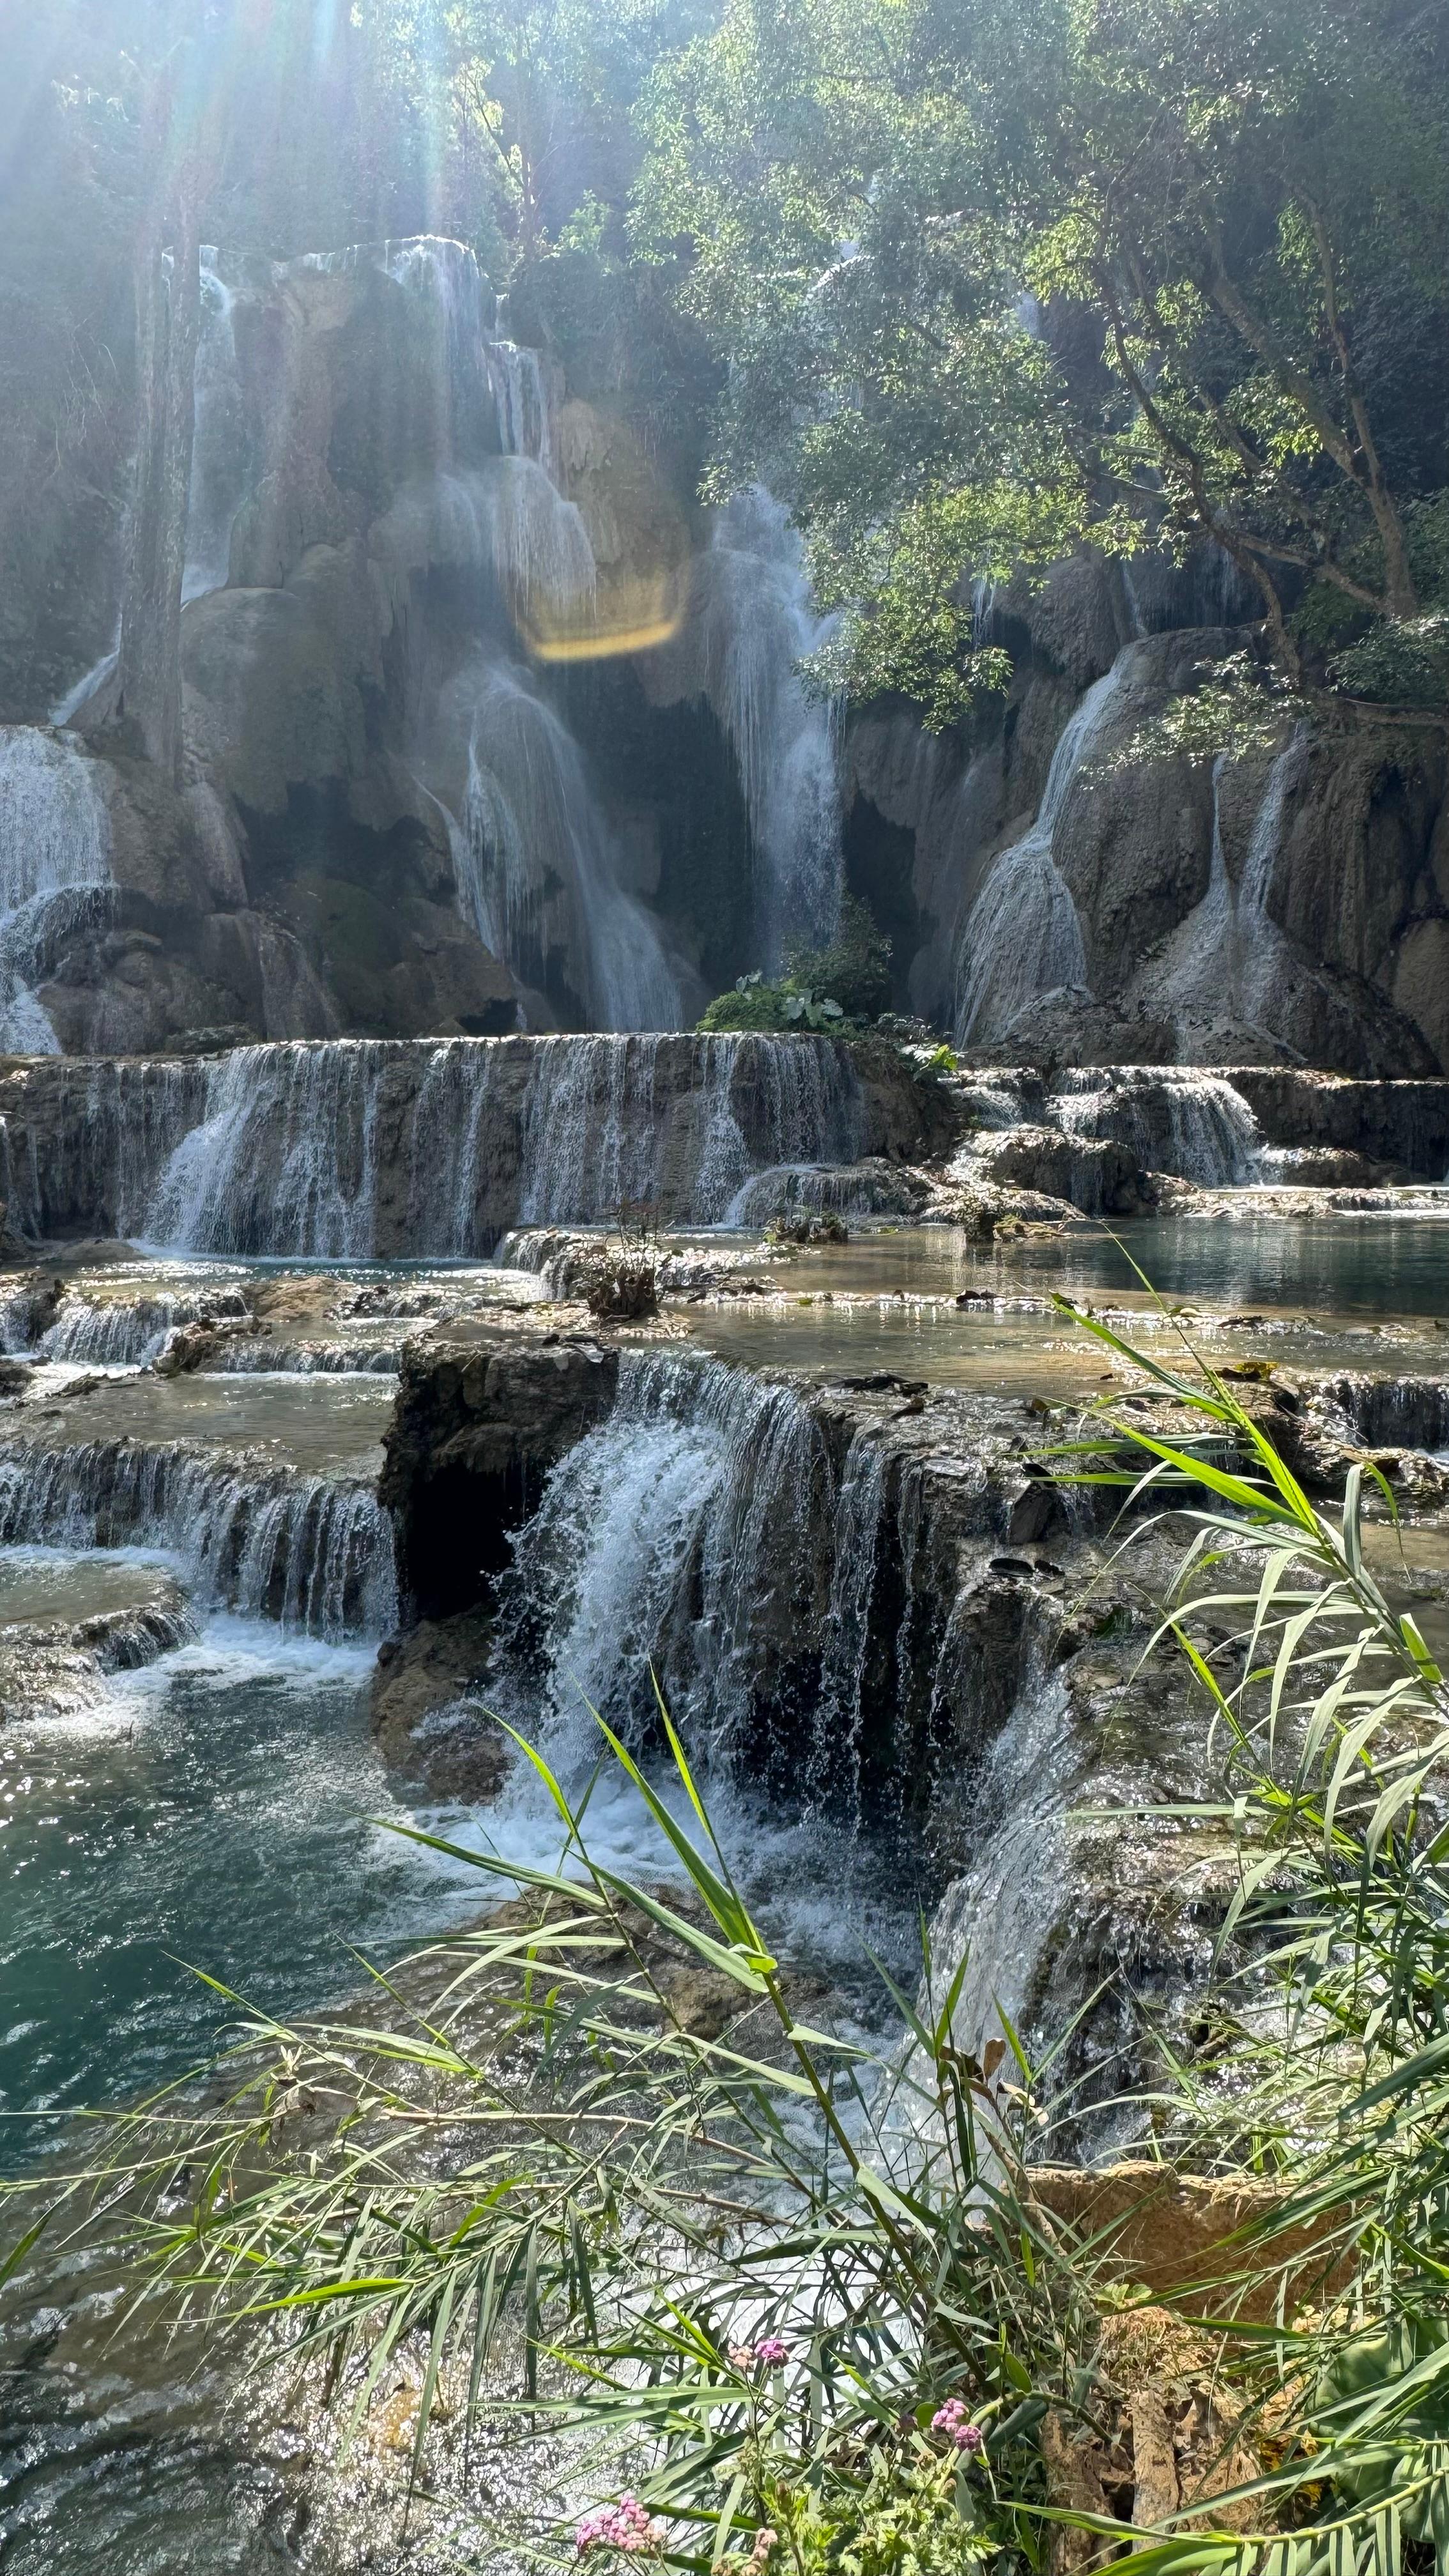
pixel 624 2526
pixel 772 2352
pixel 951 2420
pixel 742 2356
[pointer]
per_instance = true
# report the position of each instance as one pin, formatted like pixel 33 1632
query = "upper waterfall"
pixel 1023 938
pixel 54 869
pixel 750 623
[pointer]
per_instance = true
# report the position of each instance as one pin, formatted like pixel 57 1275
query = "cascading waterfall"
pixel 835 1753
pixel 677 1532
pixel 751 622
pixel 541 873
pixel 55 870
pixel 314 1553
pixel 591 1141
pixel 285 1157
pixel 1260 943
pixel 1003 1912
pixel 452 1132
pixel 770 1105
pixel 1389 1412
pixel 220 443
pixel 354 1148
pixel 67 708
pixel 1023 939
pixel 1172 1117
pixel 119 1333
pixel 522 395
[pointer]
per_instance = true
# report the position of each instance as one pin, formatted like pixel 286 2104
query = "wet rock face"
pixel 477 1427
pixel 1225 917
pixel 1095 1174
pixel 425 1726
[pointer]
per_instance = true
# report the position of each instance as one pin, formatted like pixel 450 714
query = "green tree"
pixel 993 278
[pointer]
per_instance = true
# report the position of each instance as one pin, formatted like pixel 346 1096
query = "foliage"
pixel 1330 2068
pixel 844 985
pixel 1399 662
pixel 1235 707
pixel 801 2282
pixel 1228 215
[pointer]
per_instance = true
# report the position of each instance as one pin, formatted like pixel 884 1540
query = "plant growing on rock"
pixel 843 986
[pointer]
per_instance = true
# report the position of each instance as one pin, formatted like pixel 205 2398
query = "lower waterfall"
pixel 1173 1118
pixel 285 1158
pixel 314 1553
pixel 703 1531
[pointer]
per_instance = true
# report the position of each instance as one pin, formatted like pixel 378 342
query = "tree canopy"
pixel 998 277
pixel 983 279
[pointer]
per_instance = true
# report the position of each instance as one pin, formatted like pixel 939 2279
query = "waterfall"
pixel 67 708
pixel 522 396
pixel 55 870
pixel 835 1753
pixel 591 1140
pixel 1389 1412
pixel 312 1552
pixel 1005 1911
pixel 751 622
pixel 596 1135
pixel 453 1130
pixel 542 875
pixel 284 1158
pixel 220 446
pixel 677 1532
pixel 364 1148
pixel 1023 939
pixel 1261 946
pixel 768 1107
pixel 117 1333
pixel 1173 1118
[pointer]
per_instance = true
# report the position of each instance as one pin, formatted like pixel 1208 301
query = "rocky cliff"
pixel 485 728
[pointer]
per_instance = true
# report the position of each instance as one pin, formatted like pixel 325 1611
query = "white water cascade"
pixel 284 1159
pixel 356 1148
pixel 314 1553
pixel 599 1129
pixel 1172 1117
pixel 55 870
pixel 219 444
pixel 1023 939
pixel 1260 943
pixel 522 395
pixel 751 622
pixel 677 1531
pixel 540 869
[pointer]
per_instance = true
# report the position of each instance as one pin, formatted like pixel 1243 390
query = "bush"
pixel 855 969
pixel 844 986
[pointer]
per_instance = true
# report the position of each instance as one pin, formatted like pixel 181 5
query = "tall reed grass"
pixel 803 2297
